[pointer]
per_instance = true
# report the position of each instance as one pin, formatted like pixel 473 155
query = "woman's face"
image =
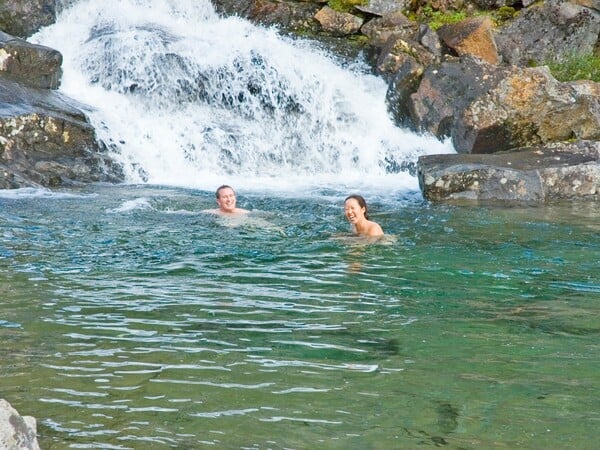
pixel 354 212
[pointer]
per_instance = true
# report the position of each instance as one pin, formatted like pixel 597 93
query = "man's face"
pixel 226 200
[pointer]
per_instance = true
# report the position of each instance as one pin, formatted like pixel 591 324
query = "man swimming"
pixel 227 202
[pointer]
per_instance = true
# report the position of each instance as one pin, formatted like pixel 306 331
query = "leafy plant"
pixel 576 67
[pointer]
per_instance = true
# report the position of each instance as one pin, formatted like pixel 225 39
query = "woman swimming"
pixel 355 209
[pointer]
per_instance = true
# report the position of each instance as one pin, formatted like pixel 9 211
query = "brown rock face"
pixel 471 37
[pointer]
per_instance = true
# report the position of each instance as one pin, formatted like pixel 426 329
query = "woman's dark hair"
pixel 361 202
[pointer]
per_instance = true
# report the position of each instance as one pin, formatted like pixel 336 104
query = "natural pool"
pixel 129 319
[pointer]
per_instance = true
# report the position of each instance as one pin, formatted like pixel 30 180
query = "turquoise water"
pixel 131 320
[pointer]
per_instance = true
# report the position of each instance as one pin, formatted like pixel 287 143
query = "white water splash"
pixel 132 205
pixel 184 97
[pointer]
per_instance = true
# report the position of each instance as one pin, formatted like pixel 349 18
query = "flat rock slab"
pixel 552 172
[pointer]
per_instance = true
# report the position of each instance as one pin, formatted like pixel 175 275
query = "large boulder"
pixel 46 141
pixel 537 174
pixel 529 107
pixel 24 17
pixel 549 31
pixel 16 432
pixel 446 90
pixel 502 107
pixel 35 65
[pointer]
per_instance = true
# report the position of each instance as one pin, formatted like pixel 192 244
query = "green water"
pixel 130 320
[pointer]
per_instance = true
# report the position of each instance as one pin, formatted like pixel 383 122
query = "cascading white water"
pixel 185 97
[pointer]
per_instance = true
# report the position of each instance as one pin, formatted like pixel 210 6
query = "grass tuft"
pixel 435 19
pixel 345 5
pixel 576 67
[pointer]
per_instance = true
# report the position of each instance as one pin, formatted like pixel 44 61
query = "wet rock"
pixel 536 174
pixel 46 141
pixel 447 417
pixel 16 432
pixel 23 18
pixel 473 37
pixel 35 65
pixel 405 83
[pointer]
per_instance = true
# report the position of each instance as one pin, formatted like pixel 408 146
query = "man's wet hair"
pixel 220 188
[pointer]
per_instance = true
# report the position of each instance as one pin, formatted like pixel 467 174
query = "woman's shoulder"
pixel 374 229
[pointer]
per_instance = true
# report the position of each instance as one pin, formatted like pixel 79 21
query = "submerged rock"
pixel 537 174
pixel 16 432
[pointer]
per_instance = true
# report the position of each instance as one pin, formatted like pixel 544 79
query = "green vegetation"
pixel 503 15
pixel 435 19
pixel 577 67
pixel 345 5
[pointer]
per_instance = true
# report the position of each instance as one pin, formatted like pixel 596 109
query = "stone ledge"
pixel 537 174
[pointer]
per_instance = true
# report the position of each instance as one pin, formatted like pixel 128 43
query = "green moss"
pixel 435 19
pixel 345 5
pixel 576 67
pixel 503 14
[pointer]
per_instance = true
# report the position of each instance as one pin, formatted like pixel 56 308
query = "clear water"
pixel 129 319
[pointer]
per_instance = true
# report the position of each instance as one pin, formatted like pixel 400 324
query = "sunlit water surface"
pixel 129 319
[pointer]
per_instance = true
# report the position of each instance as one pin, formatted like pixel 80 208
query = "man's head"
pixel 226 198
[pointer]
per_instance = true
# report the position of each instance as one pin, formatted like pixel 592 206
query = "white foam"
pixel 132 205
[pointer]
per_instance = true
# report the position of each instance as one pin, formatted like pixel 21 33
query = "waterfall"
pixel 184 97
